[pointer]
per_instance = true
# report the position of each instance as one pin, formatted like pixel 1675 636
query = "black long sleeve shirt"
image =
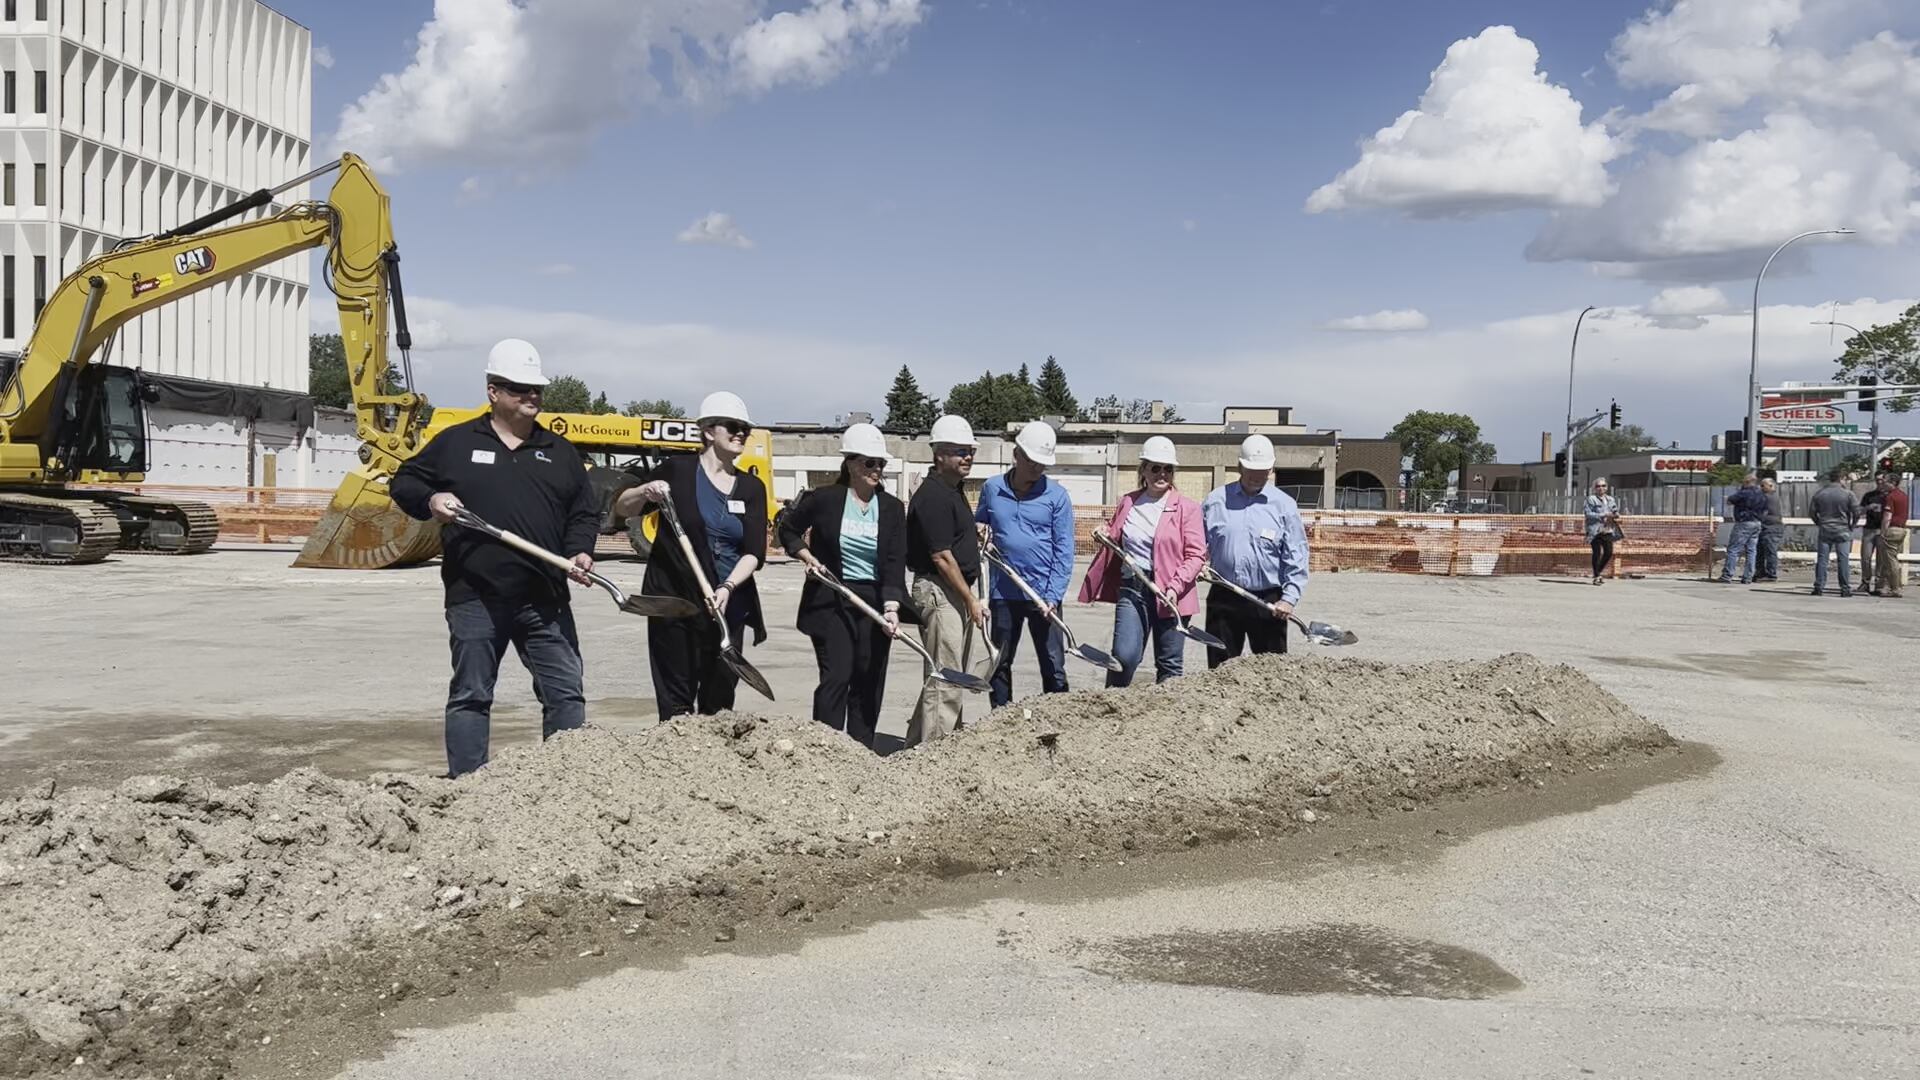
pixel 538 490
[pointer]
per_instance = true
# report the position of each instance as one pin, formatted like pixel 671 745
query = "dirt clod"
pixel 182 919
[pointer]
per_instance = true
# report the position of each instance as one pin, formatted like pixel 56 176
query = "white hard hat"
pixel 1036 441
pixel 953 431
pixel 1256 452
pixel 863 440
pixel 1160 449
pixel 721 405
pixel 515 361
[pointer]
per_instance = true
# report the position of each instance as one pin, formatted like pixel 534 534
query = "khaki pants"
pixel 948 635
pixel 1892 576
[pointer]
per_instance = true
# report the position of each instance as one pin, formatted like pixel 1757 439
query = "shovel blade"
pixel 1194 633
pixel 961 679
pixel 659 607
pixel 748 673
pixel 1328 634
pixel 1098 658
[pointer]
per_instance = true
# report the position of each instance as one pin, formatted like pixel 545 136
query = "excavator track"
pixel 53 531
pixel 154 526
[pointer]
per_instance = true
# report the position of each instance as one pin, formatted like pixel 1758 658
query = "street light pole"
pixel 1879 372
pixel 1572 353
pixel 1753 362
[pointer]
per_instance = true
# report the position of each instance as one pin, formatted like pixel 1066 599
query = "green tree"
pixel 601 405
pixel 908 409
pixel 1725 474
pixel 1055 398
pixel 1436 444
pixel 1857 464
pixel 327 379
pixel 567 394
pixel 1607 443
pixel 1890 350
pixel 992 402
pixel 654 407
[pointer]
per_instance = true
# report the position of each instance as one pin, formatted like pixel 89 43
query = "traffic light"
pixel 1560 463
pixel 1613 417
pixel 1733 447
pixel 1869 386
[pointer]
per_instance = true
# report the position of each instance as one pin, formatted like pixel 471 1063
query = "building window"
pixel 7 85
pixel 6 182
pixel 40 92
pixel 39 185
pixel 13 15
pixel 40 10
pixel 6 312
pixel 39 285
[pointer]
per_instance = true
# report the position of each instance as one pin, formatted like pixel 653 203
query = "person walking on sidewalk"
pixel 522 478
pixel 1029 518
pixel 1161 528
pixel 856 531
pixel 724 510
pixel 1893 537
pixel 1870 506
pixel 1256 540
pixel 943 551
pixel 1773 532
pixel 1834 510
pixel 1603 518
pixel 1749 509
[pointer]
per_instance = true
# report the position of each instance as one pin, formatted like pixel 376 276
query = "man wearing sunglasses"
pixel 521 477
pixel 1256 540
pixel 943 551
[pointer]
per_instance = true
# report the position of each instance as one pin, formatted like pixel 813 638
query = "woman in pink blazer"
pixel 1161 529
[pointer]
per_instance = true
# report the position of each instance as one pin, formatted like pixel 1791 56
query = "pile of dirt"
pixel 159 926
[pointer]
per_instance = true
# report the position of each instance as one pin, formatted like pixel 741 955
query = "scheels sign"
pixel 1688 464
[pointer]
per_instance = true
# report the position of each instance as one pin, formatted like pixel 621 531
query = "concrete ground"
pixel 1761 919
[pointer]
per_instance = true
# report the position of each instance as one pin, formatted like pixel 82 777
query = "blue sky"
pixel 967 186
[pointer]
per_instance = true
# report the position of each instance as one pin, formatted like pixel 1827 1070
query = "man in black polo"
pixel 521 477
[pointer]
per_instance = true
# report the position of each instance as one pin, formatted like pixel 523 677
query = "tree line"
pixel 330 387
pixel 992 402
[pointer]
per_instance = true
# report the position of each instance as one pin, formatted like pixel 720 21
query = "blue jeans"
pixel 1744 540
pixel 1134 613
pixel 1009 616
pixel 544 637
pixel 1771 537
pixel 1841 550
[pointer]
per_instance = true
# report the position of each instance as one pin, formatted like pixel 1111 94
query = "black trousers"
pixel 852 652
pixel 1602 552
pixel 688 674
pixel 1237 622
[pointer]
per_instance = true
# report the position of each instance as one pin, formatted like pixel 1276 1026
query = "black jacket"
pixel 667 570
pixel 820 511
pixel 538 490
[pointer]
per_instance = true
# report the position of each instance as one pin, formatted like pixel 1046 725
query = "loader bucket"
pixel 363 530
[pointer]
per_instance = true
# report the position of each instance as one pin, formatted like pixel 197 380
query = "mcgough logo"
pixel 558 426
pixel 194 261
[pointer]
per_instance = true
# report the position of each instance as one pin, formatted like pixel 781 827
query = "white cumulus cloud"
pixel 322 56
pixel 1491 133
pixel 534 81
pixel 718 229
pixel 1689 300
pixel 1380 321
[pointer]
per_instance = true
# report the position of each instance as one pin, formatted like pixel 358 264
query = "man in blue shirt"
pixel 1256 540
pixel 1030 520
pixel 1748 507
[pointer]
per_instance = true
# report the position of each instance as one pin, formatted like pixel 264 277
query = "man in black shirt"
pixel 1870 506
pixel 943 553
pixel 521 477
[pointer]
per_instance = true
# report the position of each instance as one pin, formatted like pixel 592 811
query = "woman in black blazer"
pixel 724 510
pixel 856 531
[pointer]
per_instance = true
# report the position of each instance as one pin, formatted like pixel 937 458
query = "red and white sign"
pixel 1685 463
pixel 1802 414
pixel 1784 410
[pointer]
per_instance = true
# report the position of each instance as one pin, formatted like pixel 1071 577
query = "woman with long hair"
pixel 856 531
pixel 1162 530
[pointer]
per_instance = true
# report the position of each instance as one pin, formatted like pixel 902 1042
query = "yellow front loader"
pixel 66 420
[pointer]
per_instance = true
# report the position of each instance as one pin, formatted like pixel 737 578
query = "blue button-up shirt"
pixel 1257 541
pixel 1034 534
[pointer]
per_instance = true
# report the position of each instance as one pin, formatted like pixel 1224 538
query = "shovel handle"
pixel 520 543
pixel 1213 575
pixel 993 556
pixel 826 578
pixel 1145 578
pixel 699 576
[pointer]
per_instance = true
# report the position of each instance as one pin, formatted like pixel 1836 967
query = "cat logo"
pixel 193 261
pixel 558 426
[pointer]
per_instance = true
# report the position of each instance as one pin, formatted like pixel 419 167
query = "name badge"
pixel 483 457
pixel 736 506
pixel 1269 535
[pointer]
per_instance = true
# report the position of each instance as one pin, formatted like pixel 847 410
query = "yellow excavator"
pixel 66 420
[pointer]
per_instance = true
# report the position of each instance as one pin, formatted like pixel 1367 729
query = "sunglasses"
pixel 959 451
pixel 516 389
pixel 1159 470
pixel 871 462
pixel 734 428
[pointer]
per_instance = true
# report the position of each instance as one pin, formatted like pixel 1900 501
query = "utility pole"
pixel 1573 353
pixel 1753 362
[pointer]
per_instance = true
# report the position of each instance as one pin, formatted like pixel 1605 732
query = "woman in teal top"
pixel 857 531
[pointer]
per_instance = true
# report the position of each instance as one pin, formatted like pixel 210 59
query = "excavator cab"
pixel 106 430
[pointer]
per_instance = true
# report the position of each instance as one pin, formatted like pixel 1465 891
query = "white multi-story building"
pixel 121 118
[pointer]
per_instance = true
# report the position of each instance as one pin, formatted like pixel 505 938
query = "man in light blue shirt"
pixel 1030 520
pixel 1256 540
